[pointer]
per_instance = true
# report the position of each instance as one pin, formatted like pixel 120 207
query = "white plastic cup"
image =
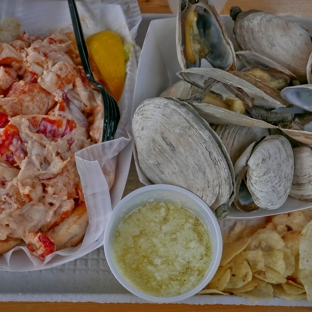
pixel 174 4
pixel 164 193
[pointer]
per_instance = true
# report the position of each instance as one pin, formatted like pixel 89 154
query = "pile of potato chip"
pixel 269 260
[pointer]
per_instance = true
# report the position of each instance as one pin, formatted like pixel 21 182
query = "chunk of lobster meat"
pixel 8 54
pixel 26 98
pixel 29 38
pixel 7 172
pixel 96 122
pixel 72 50
pixel 58 79
pixel 71 231
pixel 69 107
pixel 39 245
pixel 90 97
pixel 7 77
pixel 4 120
pixel 8 244
pixel 12 148
pixel 60 214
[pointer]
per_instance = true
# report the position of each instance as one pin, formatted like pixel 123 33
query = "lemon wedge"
pixel 107 50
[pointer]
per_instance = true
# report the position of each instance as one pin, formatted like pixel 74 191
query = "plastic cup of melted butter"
pixel 163 243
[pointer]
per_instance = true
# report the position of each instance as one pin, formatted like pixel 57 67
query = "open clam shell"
pixel 201 35
pixel 237 138
pixel 300 96
pixel 181 90
pixel 272 92
pixel 301 188
pixel 280 40
pixel 201 76
pixel 264 174
pixel 176 146
pixel 248 59
pixel 309 70
pixel 222 116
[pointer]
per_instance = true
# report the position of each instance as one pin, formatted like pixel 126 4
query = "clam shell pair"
pixel 264 174
pixel 278 39
pixel 201 36
pixel 174 145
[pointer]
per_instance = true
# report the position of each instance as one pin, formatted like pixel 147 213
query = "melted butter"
pixel 162 249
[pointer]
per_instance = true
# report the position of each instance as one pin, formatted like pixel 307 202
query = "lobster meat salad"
pixel 48 111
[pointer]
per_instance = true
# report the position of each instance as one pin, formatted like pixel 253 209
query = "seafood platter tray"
pixel 255 135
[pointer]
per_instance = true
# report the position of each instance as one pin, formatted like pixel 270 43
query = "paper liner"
pixel 41 18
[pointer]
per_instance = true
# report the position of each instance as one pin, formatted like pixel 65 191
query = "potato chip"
pixel 305 250
pixel 292 240
pixel 298 220
pixel 263 291
pixel 280 292
pixel 305 277
pixel 255 260
pixel 275 260
pixel 288 222
pixel 211 292
pixel 247 287
pixel 240 272
pixel 250 230
pixel 293 290
pixel 232 249
pixel 289 260
pixel 265 240
pixel 270 276
pixel 236 233
pixel 290 282
pixel 221 279
pixel 307 213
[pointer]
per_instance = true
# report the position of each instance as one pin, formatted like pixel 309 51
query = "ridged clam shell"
pixel 219 115
pixel 181 90
pixel 280 40
pixel 268 173
pixel 272 92
pixel 248 59
pixel 309 70
pixel 301 188
pixel 175 146
pixel 237 138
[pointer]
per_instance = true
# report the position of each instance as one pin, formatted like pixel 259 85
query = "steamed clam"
pixel 264 174
pixel 181 90
pixel 264 69
pixel 176 146
pixel 302 182
pixel 201 35
pixel 212 78
pixel 274 37
pixel 309 70
pixel 237 138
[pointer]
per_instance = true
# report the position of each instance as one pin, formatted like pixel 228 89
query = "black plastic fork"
pixel 111 109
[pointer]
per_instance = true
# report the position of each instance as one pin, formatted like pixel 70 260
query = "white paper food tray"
pixel 89 278
pixel 157 75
